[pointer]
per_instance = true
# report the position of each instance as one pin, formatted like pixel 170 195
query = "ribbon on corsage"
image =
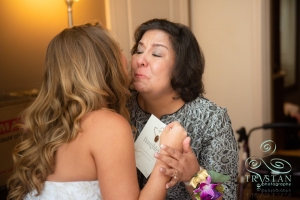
pixel 208 185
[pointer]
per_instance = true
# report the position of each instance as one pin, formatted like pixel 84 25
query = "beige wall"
pixel 27 26
pixel 234 36
pixel 124 16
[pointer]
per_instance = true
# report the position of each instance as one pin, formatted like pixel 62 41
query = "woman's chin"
pixel 139 87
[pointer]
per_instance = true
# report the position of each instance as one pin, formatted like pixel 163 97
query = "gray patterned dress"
pixel 212 140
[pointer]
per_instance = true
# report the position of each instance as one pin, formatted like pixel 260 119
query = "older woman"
pixel 167 67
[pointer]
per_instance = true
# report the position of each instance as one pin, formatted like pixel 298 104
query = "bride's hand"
pixel 173 136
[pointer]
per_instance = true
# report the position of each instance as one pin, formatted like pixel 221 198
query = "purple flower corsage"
pixel 208 185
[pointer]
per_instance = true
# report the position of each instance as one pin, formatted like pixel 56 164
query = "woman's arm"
pixel 220 151
pixel 112 147
pixel 222 145
pixel 113 152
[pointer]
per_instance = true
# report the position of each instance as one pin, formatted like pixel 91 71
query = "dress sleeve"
pixel 219 150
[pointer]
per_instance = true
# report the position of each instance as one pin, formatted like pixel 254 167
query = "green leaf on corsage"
pixel 217 177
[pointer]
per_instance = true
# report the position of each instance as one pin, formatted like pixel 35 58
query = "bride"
pixel 77 142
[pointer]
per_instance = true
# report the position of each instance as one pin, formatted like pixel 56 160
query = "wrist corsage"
pixel 208 185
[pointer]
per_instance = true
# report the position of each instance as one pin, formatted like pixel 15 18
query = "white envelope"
pixel 147 144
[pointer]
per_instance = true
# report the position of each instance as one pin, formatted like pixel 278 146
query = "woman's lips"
pixel 140 76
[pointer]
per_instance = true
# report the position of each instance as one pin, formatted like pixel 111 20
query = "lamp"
pixel 70 18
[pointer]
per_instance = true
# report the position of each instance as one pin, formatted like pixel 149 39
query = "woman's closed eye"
pixel 156 55
pixel 139 51
pixel 157 52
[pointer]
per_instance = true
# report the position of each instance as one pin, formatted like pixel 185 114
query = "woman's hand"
pixel 173 136
pixel 186 163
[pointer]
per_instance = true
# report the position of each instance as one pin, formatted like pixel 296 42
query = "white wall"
pixel 234 36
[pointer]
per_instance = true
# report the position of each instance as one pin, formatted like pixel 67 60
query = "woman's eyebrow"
pixel 140 43
pixel 154 45
pixel 160 45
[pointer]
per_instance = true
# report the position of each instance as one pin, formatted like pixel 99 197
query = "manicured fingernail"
pixel 156 155
pixel 167 186
pixel 162 146
pixel 162 169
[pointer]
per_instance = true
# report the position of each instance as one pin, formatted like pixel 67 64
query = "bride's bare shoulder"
pixel 104 120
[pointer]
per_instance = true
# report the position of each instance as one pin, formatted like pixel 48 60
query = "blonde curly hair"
pixel 83 72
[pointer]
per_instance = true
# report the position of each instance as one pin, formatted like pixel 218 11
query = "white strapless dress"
pixel 81 190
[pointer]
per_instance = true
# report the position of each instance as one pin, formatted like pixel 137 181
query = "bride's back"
pixel 67 123
pixel 75 161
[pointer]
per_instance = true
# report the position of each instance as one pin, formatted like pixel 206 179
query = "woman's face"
pixel 152 64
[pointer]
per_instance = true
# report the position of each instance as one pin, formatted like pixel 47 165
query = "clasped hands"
pixel 180 158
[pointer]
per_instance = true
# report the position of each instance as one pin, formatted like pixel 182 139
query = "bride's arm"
pixel 173 135
pixel 112 148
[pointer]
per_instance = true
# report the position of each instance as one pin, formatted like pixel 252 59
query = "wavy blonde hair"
pixel 83 72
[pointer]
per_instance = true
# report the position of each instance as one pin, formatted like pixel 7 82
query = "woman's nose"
pixel 142 60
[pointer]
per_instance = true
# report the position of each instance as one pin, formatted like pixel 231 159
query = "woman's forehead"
pixel 157 37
